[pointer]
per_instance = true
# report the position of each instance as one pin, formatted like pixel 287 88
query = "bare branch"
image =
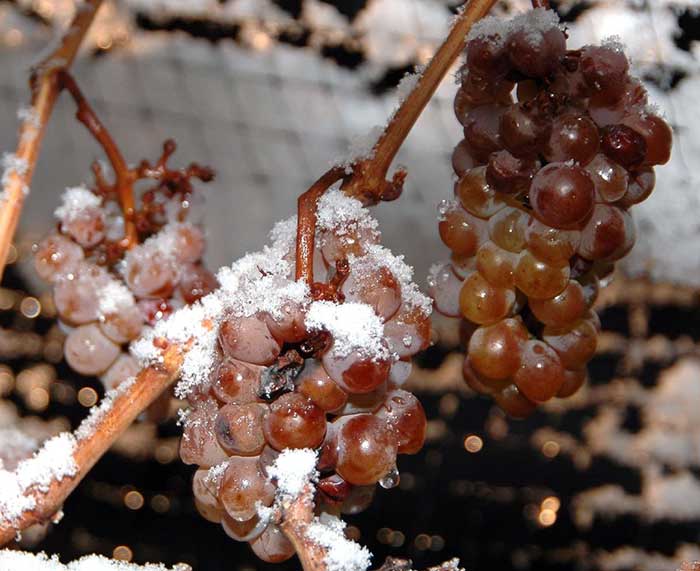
pixel 45 90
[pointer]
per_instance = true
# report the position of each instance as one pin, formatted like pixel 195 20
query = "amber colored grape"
pixel 248 339
pixel 358 500
pixel 205 494
pixel 494 350
pixel 476 195
pixel 239 428
pixel 379 289
pixel 608 235
pixel 609 178
pixel 242 486
pixel 573 381
pixel 513 403
pixel 633 99
pixel 405 415
pixel 562 195
pixel 364 402
pixel 88 351
pixel 408 332
pixel 538 279
pixel 246 530
pixel 196 282
pixel 236 382
pixel 551 245
pixel 479 383
pixel 315 383
pixel 461 231
pixel 573 137
pixel 56 256
pixel 355 373
pixel 497 265
pixel 605 70
pixel 462 159
pixel 508 228
pixel 563 309
pixel 508 174
pixel 444 286
pixel 624 145
pixel 541 374
pixel 481 128
pixel 575 345
pixel 294 421
pixel 366 448
pixel 641 184
pixel 656 133
pixel 482 302
pixel 272 546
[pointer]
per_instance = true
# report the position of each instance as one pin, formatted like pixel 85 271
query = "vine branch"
pixel 149 384
pixel 45 90
pixel 367 181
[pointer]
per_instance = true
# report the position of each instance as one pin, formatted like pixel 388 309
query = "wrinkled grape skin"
pixel 540 375
pixel 248 339
pixel 494 350
pixel 482 302
pixel 509 175
pixel 406 416
pixel 475 194
pixel 315 383
pixel 366 449
pixel 573 137
pixel 563 309
pixel 461 231
pixel 575 345
pixel 205 496
pixel 56 256
pixel 243 485
pixel 562 195
pixel 88 351
pixel 239 428
pixel 540 280
pixel 198 444
pixel 272 546
pixel 294 421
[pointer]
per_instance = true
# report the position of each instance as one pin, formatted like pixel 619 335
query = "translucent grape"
pixel 242 486
pixel 462 267
pixel 314 383
pixel 406 417
pixel 248 339
pixel 366 449
pixel 494 350
pixel 239 428
pixel 507 174
pixel 609 179
pixel 88 351
pixel 124 325
pixel 641 184
pixel 87 228
pixel 196 282
pixel 355 373
pixel 461 231
pixel 482 302
pixel 508 228
pixel 476 195
pixel 289 326
pixel 481 128
pixel 657 135
pixel 563 309
pixel 487 57
pixel 608 235
pixel 205 494
pixel 514 403
pixel 358 500
pixel 294 421
pixel 150 273
pixel 123 368
pixel 462 159
pixel 573 381
pixel 540 375
pixel 551 245
pixel 56 256
pixel 272 545
pixel 497 265
pixel 364 402
pixel 377 288
pixel 605 70
pixel 75 296
pixel 575 345
pixel 408 332
pixel 352 241
pixel 535 53
pixel 624 145
pixel 190 243
pixel 247 530
pixel 444 287
pixel 538 279
pixel 562 195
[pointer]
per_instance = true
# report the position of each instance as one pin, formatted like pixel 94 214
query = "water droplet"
pixel 391 480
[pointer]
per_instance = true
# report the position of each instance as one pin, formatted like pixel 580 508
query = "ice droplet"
pixel 391 480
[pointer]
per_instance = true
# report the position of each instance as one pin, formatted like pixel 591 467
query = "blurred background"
pixel 270 93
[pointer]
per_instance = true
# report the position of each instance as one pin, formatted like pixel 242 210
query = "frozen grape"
pixel 88 351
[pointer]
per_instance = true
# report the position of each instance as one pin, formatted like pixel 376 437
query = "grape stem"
pixel 125 177
pixel 365 179
pixel 148 385
pixel 45 89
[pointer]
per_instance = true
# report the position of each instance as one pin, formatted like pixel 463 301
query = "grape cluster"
pixel 558 145
pixel 316 368
pixel 106 292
